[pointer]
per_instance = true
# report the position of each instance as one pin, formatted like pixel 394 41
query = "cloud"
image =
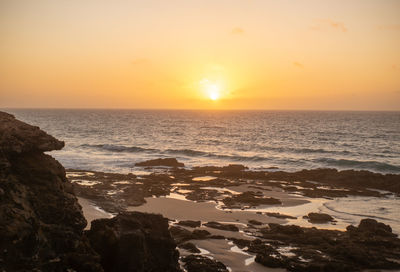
pixel 237 31
pixel 327 24
pixel 298 64
pixel 389 27
pixel 139 61
pixel 395 67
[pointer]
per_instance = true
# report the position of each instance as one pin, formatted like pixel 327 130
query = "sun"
pixel 213 92
pixel 211 89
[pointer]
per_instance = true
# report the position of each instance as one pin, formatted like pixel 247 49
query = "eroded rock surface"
pixel 371 245
pixel 41 222
pixel 198 263
pixel 134 241
pixel 171 162
pixel 319 218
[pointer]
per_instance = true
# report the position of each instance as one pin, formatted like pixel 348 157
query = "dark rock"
pixel 134 241
pixel 279 215
pixel 285 229
pixel 200 234
pixel 203 195
pixel 372 227
pixel 18 137
pixel 255 222
pixel 171 162
pixel 180 234
pixel 190 247
pixel 319 218
pixel 371 245
pixel 217 225
pixel 241 243
pixel 250 198
pixel 234 168
pixel 218 237
pixel 190 223
pixel 198 263
pixel 41 222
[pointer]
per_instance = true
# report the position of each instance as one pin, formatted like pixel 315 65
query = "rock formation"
pixel 41 222
pixel 42 225
pixel 171 162
pixel 134 241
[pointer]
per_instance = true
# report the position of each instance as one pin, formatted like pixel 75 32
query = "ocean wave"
pixel 302 150
pixel 337 210
pixel 368 165
pixel 191 153
pixel 119 148
pixel 184 152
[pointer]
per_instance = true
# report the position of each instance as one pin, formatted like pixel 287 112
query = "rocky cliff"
pixel 41 222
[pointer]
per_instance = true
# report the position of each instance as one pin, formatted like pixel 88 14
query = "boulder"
pixel 280 215
pixel 134 241
pixel 217 225
pixel 319 218
pixel 171 162
pixel 371 227
pixel 190 223
pixel 198 263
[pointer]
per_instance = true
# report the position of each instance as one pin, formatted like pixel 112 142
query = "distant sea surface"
pixel 114 140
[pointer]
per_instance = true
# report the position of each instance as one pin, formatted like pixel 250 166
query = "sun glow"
pixel 211 89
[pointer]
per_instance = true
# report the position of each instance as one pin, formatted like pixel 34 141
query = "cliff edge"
pixel 41 222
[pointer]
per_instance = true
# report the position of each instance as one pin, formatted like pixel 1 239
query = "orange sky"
pixel 255 54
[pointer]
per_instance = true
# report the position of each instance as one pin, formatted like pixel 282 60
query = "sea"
pixel 114 140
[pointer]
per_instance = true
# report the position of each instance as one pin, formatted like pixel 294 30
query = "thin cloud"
pixel 237 31
pixel 327 24
pixel 389 27
pixel 139 61
pixel 298 64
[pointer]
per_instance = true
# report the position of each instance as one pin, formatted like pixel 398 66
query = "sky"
pixel 208 54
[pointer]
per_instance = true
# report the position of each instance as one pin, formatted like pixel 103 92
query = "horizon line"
pixel 187 109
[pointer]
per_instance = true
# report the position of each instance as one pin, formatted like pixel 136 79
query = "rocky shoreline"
pixel 42 225
pixel 219 218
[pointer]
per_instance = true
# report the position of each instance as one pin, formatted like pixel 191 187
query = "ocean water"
pixel 114 140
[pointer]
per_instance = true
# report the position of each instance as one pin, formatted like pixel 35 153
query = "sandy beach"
pixel 235 200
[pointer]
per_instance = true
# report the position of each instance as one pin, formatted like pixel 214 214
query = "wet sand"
pixel 180 194
pixel 91 211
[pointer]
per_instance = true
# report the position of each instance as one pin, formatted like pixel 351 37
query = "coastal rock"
pixel 217 225
pixel 171 162
pixel 18 137
pixel 41 222
pixel 180 234
pixel 255 222
pixel 134 241
pixel 198 263
pixel 358 180
pixel 371 245
pixel 318 218
pixel 190 247
pixel 190 223
pixel 371 227
pixel 279 215
pixel 200 234
pixel 250 198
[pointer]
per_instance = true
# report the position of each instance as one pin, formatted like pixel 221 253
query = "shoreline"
pixel 231 197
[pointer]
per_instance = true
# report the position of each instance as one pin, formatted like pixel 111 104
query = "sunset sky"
pixel 208 54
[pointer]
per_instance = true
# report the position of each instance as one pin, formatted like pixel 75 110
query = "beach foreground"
pixel 256 220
